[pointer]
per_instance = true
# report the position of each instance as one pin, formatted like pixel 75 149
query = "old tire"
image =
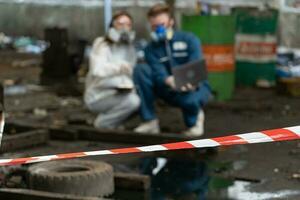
pixel 78 177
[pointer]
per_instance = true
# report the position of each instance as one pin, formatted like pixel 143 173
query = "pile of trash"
pixel 288 63
pixel 22 44
pixel 5 41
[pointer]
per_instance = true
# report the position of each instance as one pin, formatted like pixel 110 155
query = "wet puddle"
pixel 240 190
pixel 190 180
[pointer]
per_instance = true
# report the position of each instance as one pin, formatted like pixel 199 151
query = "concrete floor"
pixel 273 164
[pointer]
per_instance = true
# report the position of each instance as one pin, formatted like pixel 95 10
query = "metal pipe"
pixel 107 13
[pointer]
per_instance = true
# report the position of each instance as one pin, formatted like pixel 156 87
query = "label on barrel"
pixel 256 48
pixel 219 58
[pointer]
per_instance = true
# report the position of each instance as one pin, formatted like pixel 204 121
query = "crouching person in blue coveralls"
pixel 169 48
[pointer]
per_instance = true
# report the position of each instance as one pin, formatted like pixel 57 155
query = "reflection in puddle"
pixel 198 180
pixel 174 179
pixel 240 190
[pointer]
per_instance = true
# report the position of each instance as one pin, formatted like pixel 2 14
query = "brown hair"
pixel 158 9
pixel 114 17
pixel 118 14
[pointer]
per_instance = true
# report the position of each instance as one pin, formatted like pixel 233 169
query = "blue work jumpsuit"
pixel 150 77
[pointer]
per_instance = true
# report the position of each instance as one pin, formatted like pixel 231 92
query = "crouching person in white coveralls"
pixel 109 90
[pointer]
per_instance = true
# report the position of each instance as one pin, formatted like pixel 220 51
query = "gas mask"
pixel 121 36
pixel 161 33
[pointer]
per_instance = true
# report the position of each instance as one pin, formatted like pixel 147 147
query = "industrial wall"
pixel 82 20
pixel 289 28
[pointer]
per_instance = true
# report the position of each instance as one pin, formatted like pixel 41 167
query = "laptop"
pixel 125 87
pixel 193 72
pixel 120 84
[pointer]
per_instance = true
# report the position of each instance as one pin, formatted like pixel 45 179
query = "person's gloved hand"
pixel 126 69
pixel 187 88
pixel 170 81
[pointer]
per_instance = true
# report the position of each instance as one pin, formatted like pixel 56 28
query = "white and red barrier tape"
pixel 2 122
pixel 283 134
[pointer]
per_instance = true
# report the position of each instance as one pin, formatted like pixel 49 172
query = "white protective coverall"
pixel 104 77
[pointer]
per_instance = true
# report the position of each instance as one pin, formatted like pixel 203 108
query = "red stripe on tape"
pixel 275 135
pixel 126 150
pixel 230 140
pixel 19 161
pixel 281 134
pixel 69 155
pixel 178 145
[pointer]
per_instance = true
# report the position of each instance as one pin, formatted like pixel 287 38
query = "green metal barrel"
pixel 256 45
pixel 217 34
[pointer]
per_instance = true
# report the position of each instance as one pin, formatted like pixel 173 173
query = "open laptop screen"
pixel 193 72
